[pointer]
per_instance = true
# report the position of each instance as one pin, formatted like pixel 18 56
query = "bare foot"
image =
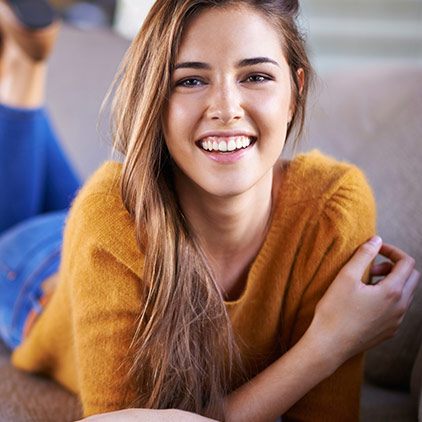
pixel 36 41
pixel 24 54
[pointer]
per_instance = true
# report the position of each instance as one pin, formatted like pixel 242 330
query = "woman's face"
pixel 227 115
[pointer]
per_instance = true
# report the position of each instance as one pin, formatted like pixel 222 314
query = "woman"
pixel 191 273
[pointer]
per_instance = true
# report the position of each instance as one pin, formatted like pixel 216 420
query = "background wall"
pixel 129 16
pixel 348 32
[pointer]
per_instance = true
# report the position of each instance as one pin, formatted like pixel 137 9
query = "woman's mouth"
pixel 226 144
pixel 226 149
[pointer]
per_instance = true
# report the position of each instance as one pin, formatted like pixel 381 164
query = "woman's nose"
pixel 225 104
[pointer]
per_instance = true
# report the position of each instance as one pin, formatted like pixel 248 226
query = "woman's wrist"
pixel 323 348
pixel 327 349
pixel 273 391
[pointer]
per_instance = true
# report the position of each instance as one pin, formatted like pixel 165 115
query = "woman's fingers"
pixel 392 252
pixel 362 258
pixel 396 272
pixel 402 268
pixel 410 287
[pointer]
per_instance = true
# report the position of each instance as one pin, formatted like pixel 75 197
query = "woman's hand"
pixel 148 415
pixel 352 316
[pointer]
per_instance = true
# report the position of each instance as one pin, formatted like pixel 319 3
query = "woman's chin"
pixel 220 183
pixel 229 188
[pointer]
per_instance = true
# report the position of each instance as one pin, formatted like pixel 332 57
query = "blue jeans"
pixel 37 185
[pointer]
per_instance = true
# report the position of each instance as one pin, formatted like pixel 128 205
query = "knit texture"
pixel 324 211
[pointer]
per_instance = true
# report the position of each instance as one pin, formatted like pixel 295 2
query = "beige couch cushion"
pixel 29 398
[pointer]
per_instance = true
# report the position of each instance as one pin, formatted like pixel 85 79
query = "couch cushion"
pixel 29 398
pixel 381 405
pixel 371 116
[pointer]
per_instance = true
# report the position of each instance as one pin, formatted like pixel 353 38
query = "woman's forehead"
pixel 229 31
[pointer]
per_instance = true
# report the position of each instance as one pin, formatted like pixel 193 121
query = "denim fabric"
pixel 29 253
pixel 35 174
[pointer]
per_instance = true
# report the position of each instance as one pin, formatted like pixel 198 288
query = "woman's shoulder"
pixel 314 176
pixel 99 219
pixel 104 181
pixel 318 189
pixel 323 203
pixel 99 197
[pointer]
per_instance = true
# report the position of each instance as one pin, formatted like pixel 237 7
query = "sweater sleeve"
pixel 345 220
pixel 105 304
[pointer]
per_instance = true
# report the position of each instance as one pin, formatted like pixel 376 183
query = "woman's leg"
pixel 35 175
pixel 29 254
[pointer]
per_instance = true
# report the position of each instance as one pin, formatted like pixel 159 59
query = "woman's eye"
pixel 190 83
pixel 258 78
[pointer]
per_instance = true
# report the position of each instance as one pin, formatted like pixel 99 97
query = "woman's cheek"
pixel 184 113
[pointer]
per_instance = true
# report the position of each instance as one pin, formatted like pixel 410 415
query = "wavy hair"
pixel 185 354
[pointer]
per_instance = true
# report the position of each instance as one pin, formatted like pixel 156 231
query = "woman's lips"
pixel 226 149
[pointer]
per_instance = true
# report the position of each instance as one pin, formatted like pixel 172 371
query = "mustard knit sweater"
pixel 325 210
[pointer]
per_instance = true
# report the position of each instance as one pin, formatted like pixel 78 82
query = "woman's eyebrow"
pixel 192 65
pixel 242 63
pixel 256 60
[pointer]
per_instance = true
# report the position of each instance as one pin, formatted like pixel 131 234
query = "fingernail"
pixel 375 240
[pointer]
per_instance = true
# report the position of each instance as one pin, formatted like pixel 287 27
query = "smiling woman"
pixel 205 273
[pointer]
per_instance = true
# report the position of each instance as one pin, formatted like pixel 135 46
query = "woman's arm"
pixel 350 318
pixel 342 219
pixel 148 415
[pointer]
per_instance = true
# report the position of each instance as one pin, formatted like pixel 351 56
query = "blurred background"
pixel 346 32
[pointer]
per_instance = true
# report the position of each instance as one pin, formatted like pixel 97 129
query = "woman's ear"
pixel 300 74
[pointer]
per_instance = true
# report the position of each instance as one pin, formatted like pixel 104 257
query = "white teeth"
pixel 215 143
pixel 222 146
pixel 207 145
pixel 231 145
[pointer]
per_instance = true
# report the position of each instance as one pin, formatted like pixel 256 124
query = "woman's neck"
pixel 231 229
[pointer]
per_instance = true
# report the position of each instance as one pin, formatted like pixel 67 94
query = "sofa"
pixel 367 114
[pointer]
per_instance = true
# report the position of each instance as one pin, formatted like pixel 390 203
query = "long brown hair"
pixel 185 353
